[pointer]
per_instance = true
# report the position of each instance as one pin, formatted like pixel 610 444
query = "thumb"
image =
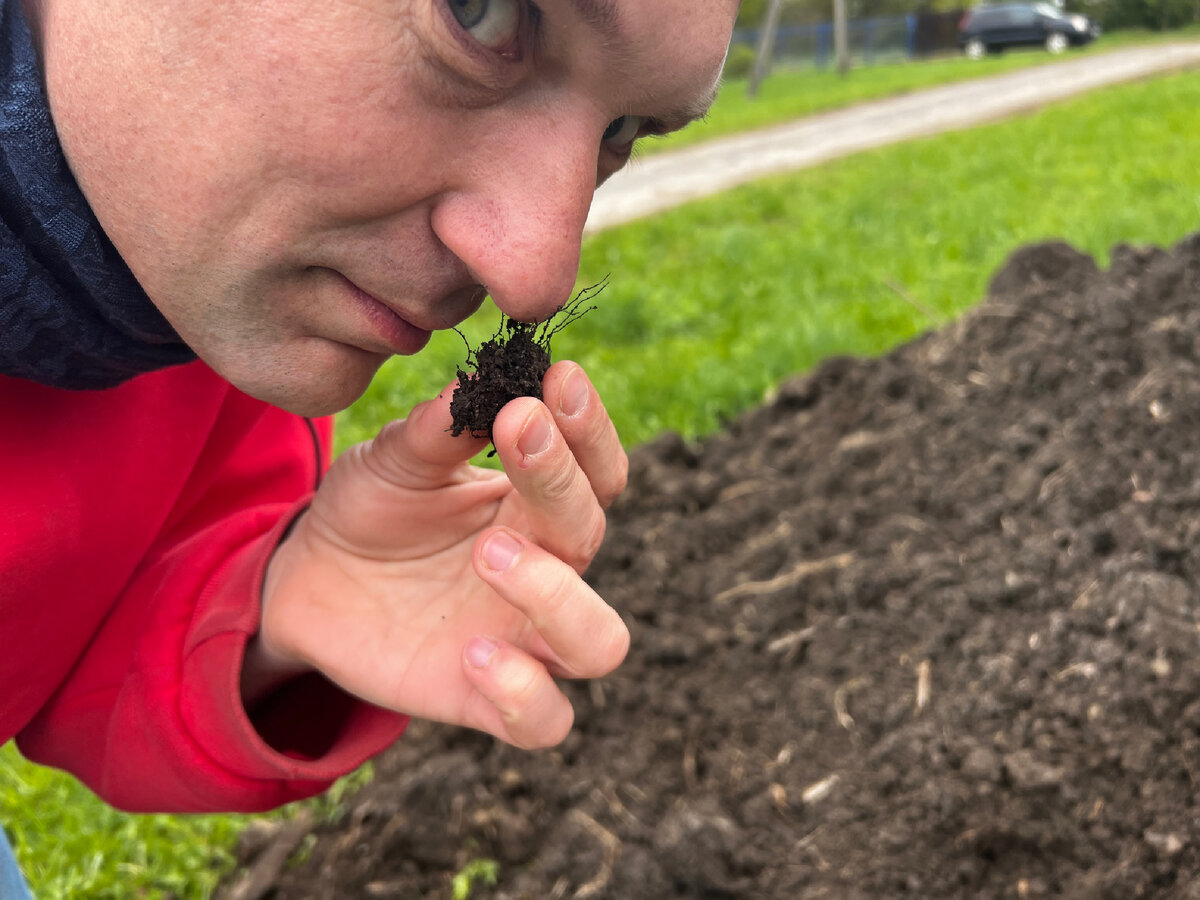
pixel 420 451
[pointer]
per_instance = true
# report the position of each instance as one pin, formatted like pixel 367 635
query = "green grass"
pixel 72 845
pixel 791 93
pixel 709 306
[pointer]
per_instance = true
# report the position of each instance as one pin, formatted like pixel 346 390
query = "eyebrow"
pixel 601 15
pixel 604 17
pixel 699 107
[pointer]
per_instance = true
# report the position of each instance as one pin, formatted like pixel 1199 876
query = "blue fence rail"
pixel 869 40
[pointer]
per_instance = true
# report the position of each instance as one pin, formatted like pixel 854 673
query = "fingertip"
pixel 512 417
pixel 568 389
pixel 498 550
pixel 516 700
pixel 437 407
pixel 422 445
pixel 479 652
pixel 523 430
pixel 449 389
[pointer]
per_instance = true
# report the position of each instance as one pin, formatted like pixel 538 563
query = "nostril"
pixel 459 304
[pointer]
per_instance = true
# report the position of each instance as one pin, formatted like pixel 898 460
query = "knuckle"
pixel 603 653
pixel 388 455
pixel 390 434
pixel 538 719
pixel 621 474
pixel 615 480
pixel 552 732
pixel 566 721
pixel 584 551
pixel 619 648
pixel 558 484
pixel 521 692
pixel 595 535
pixel 557 585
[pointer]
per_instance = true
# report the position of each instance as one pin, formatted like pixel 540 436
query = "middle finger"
pixel 559 504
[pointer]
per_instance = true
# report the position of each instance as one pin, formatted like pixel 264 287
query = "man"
pixel 238 211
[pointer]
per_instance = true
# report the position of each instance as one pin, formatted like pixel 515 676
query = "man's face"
pixel 306 187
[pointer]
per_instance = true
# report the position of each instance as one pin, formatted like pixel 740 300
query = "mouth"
pixel 389 331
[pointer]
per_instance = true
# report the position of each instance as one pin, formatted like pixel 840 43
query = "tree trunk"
pixel 766 47
pixel 841 47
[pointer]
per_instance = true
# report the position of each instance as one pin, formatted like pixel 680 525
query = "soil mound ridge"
pixel 925 625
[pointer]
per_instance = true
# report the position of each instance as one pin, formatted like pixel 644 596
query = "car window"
pixel 1049 11
pixel 1022 15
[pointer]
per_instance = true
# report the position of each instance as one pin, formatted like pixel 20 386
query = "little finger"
pixel 515 699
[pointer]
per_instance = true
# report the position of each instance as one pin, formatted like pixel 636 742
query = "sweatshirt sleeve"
pixel 151 717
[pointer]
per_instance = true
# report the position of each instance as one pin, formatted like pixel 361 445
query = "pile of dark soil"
pixel 921 626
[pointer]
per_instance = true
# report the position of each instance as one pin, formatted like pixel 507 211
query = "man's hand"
pixel 449 592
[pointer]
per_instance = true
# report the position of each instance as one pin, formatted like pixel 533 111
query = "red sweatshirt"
pixel 135 526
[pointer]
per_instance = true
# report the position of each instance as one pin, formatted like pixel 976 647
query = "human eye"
pixel 622 132
pixel 495 24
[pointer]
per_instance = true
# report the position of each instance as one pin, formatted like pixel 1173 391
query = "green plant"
pixel 71 844
pixel 477 871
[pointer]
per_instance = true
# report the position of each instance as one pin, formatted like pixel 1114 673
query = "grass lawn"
pixel 708 307
pixel 791 93
pixel 72 845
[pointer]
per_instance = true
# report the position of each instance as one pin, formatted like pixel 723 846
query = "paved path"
pixel 668 179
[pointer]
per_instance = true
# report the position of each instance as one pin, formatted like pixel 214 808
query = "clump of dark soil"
pixel 509 365
pixel 921 626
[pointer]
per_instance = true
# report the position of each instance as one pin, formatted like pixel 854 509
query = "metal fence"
pixel 869 40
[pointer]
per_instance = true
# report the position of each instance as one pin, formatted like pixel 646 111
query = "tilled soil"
pixel 920 626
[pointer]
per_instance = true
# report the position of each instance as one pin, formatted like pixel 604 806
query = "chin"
pixel 312 405
pixel 317 391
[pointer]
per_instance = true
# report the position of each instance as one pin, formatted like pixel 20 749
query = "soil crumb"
pixel 925 625
pixel 509 365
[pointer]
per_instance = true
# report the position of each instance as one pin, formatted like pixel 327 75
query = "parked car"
pixel 988 28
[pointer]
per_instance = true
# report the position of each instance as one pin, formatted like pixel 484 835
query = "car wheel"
pixel 1056 42
pixel 975 49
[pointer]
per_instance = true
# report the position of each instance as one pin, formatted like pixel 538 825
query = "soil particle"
pixel 508 365
pixel 924 625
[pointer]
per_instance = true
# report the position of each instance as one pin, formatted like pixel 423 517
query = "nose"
pixel 517 220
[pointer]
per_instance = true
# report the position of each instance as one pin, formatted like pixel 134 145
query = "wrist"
pixel 264 671
pixel 266 667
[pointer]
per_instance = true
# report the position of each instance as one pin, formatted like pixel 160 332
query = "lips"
pixel 391 332
pixel 403 333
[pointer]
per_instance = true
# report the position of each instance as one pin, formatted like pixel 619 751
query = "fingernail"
pixel 479 652
pixel 574 393
pixel 535 436
pixel 500 551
